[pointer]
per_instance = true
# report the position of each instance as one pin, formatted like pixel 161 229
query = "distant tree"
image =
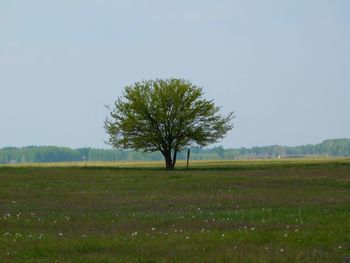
pixel 219 150
pixel 167 116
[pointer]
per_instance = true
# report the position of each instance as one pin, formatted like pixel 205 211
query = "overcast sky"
pixel 283 66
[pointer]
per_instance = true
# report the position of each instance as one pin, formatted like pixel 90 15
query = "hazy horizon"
pixel 282 66
pixel 107 147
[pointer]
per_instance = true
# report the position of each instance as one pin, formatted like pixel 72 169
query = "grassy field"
pixel 246 211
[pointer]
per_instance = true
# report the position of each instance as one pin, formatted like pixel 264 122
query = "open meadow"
pixel 229 211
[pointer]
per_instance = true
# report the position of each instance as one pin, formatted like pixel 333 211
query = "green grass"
pixel 247 211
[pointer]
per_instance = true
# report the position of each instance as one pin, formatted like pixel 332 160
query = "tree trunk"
pixel 168 161
pixel 174 158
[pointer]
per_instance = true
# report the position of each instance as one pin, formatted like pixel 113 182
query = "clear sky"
pixel 283 66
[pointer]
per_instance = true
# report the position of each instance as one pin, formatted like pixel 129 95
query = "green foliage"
pixel 38 154
pixel 167 116
pixel 335 147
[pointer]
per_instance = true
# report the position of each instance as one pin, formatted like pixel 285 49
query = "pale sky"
pixel 282 65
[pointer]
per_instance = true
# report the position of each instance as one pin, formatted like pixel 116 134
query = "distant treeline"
pixel 34 154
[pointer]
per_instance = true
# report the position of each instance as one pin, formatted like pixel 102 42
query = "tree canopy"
pixel 167 116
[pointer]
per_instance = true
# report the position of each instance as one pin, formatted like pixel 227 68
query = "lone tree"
pixel 167 116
